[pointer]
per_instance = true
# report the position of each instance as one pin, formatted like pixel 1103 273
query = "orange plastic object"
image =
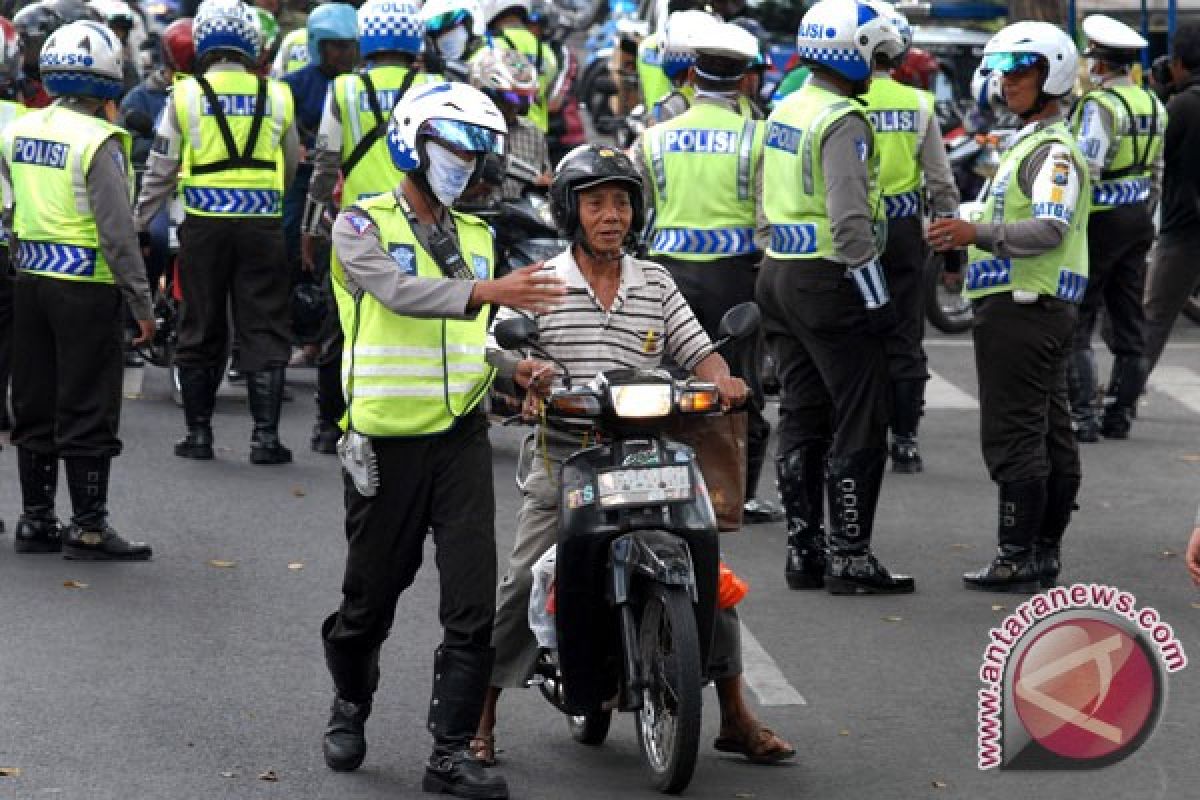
pixel 552 600
pixel 730 588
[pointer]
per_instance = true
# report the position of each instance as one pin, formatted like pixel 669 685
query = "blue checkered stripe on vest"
pixel 721 241
pixel 986 274
pixel 233 201
pixel 1071 286
pixel 794 238
pixel 63 259
pixel 1126 192
pixel 898 206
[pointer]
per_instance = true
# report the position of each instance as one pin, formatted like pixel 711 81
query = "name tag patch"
pixel 480 263
pixel 894 121
pixel 405 256
pixel 235 105
pixel 1052 211
pixel 690 140
pixel 40 152
pixel 784 137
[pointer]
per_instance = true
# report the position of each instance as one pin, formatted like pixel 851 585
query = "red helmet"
pixel 178 48
pixel 10 54
pixel 918 69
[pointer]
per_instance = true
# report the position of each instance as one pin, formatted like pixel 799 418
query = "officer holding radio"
pixel 1027 271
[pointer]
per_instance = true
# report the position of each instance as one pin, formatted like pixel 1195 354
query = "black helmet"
pixel 591 165
pixel 309 310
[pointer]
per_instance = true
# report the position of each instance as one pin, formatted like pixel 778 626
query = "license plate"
pixel 644 486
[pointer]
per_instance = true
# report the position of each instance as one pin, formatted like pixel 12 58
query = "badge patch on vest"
pixel 863 151
pixel 894 121
pixel 480 263
pixel 40 152
pixel 405 256
pixel 698 140
pixel 360 222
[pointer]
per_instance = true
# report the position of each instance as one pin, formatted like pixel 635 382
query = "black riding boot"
pixel 38 529
pixel 331 405
pixel 460 677
pixel 355 679
pixel 89 536
pixel 908 397
pixel 1061 491
pixel 198 386
pixel 1081 390
pixel 801 475
pixel 1014 569
pixel 853 484
pixel 265 391
pixel 1128 375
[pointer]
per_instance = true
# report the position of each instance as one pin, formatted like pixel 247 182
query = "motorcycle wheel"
pixel 668 725
pixel 590 729
pixel 1191 309
pixel 945 307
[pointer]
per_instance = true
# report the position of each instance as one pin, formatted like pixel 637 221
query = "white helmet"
pixel 453 113
pixel 495 8
pixel 228 26
pixel 679 38
pixel 441 15
pixel 897 20
pixel 986 90
pixel 844 37
pixel 1112 40
pixel 82 59
pixel 1024 44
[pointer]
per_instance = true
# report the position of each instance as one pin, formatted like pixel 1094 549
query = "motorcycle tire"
pixel 590 729
pixel 946 309
pixel 1191 309
pixel 668 725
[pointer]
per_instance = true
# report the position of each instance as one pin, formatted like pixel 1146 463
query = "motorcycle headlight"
pixel 642 400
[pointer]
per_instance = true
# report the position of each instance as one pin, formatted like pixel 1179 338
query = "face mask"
pixel 453 43
pixel 448 175
pixel 1092 78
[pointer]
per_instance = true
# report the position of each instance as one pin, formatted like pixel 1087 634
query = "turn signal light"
pixel 575 405
pixel 699 401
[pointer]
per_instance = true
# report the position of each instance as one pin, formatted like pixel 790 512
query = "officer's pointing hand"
pixel 529 288
pixel 145 332
pixel 949 234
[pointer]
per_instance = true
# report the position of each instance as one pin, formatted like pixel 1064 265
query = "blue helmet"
pixel 390 26
pixel 226 25
pixel 844 38
pixel 330 21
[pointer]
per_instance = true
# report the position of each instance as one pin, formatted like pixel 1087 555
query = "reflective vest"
pixel 1061 272
pixel 293 53
pixel 406 376
pixel 1126 181
pixel 901 116
pixel 221 177
pixel 543 60
pixel 793 176
pixel 702 166
pixel 654 82
pixel 688 93
pixel 9 111
pixel 49 153
pixel 367 166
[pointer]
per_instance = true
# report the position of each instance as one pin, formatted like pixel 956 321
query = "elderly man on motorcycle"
pixel 619 312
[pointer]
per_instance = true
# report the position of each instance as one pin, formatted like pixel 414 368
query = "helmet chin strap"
pixel 580 238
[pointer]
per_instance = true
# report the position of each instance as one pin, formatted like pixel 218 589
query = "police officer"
pixel 911 158
pixel 683 30
pixel 653 80
pixel 77 255
pixel 1027 270
pixel 704 167
pixel 454 31
pixel 232 133
pixel 10 109
pixel 508 26
pixel 1120 129
pixel 411 278
pixel 825 301
pixel 350 143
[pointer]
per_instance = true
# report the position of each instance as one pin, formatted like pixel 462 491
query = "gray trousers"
pixel 537 530
pixel 1172 277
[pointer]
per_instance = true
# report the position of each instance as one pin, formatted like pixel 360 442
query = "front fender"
pixel 660 556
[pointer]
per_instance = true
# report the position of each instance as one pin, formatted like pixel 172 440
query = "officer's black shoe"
pixel 37 535
pixel 1048 561
pixel 906 457
pixel 863 574
pixel 345 744
pixel 1012 570
pixel 325 437
pixel 102 545
pixel 265 393
pixel 197 444
pixel 462 775
pixel 800 475
pixel 198 387
pixel 1061 491
pixel 759 512
pixel 805 567
pixel 1021 513
pixel 1117 423
pixel 1087 430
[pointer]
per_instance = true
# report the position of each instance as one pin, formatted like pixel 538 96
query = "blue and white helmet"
pixel 390 26
pixel 442 15
pixel 898 21
pixel 455 114
pixel 228 25
pixel 844 37
pixel 82 59
pixel 679 37
pixel 330 21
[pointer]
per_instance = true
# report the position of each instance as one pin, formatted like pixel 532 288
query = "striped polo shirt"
pixel 650 322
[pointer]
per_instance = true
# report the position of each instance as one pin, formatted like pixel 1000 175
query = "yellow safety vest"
pixel 1127 179
pixel 901 116
pixel 293 52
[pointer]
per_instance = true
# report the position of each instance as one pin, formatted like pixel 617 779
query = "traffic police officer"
pixel 232 132
pixel 77 255
pixel 704 167
pixel 1027 270
pixel 911 157
pixel 411 278
pixel 350 143
pixel 825 301
pixel 508 26
pixel 683 30
pixel 1120 129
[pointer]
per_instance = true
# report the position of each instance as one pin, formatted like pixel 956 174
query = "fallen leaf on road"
pixel 269 776
pixel 893 618
pixel 216 562
pixel 998 608
pixel 298 492
pixel 939 784
pixel 227 774
pixel 75 584
pixel 1191 458
pixel 959 546
pixel 744 796
pixel 10 772
pixel 296 565
pixel 843 732
pixel 1169 554
pixel 1195 605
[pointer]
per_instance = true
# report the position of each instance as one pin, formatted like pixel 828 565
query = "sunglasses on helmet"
pixel 464 136
pixel 1008 63
pixel 518 101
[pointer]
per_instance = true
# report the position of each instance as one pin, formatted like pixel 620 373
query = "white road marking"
pixel 763 676
pixel 942 395
pixel 1179 383
pixel 967 342
pixel 131 382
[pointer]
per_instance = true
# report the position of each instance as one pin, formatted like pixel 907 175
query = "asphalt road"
pixel 196 675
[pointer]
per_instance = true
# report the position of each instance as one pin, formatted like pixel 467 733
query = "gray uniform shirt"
pixel 162 170
pixel 108 196
pixel 1099 139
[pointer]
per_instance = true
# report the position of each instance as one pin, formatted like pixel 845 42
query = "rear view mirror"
pixel 740 321
pixel 515 333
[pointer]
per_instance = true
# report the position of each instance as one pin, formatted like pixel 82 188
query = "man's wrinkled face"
pixel 605 214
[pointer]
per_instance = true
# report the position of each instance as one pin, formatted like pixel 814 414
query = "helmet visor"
pixel 519 102
pixel 463 136
pixel 1008 63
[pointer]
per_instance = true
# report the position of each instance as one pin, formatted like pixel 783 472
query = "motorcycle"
pixel 636 562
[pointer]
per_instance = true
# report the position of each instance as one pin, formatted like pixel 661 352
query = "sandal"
pixel 483 749
pixel 759 745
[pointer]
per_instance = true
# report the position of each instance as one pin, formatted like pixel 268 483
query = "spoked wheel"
pixel 945 307
pixel 668 726
pixel 590 729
